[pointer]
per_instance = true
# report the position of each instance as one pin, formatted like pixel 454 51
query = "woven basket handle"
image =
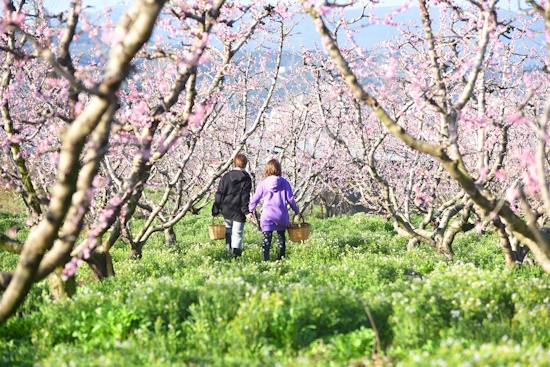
pixel 299 216
pixel 219 220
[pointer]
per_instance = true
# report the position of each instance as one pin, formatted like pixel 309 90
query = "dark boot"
pixel 236 252
pixel 266 246
pixel 280 252
pixel 265 254
pixel 227 241
pixel 281 246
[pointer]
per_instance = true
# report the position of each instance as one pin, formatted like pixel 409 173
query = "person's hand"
pixel 215 215
pixel 250 216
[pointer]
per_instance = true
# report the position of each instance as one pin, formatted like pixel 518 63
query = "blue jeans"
pixel 234 230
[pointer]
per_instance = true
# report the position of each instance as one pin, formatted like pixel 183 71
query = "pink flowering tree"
pixel 82 140
pixel 212 148
pixel 148 130
pixel 132 141
pixel 385 175
pixel 465 101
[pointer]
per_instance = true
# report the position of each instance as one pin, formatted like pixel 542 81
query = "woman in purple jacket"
pixel 276 193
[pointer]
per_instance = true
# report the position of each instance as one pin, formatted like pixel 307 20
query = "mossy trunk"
pixel 413 242
pixel 135 250
pixel 444 249
pixel 170 237
pixel 510 255
pixel 61 290
pixel 101 265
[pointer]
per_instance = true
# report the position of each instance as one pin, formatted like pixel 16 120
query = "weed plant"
pixel 192 304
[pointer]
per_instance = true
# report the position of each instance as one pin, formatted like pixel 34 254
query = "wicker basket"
pixel 299 232
pixel 216 231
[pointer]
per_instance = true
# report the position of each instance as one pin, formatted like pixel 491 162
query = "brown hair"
pixel 240 161
pixel 272 168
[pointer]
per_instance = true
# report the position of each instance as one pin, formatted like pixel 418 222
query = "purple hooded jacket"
pixel 277 193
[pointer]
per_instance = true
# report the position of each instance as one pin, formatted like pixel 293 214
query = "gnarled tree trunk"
pixel 61 290
pixel 170 237
pixel 101 265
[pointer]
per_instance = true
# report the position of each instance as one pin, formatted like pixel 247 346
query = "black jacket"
pixel 233 196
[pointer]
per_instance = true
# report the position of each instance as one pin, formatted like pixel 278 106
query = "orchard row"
pixel 442 128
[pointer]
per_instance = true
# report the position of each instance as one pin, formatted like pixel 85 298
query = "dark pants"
pixel 268 235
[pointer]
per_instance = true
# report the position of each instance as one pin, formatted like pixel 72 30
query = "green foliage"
pixel 462 301
pixel 292 317
pixel 343 347
pixel 506 354
pixel 193 304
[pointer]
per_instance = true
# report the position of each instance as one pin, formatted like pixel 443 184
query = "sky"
pixel 60 5
pixel 307 33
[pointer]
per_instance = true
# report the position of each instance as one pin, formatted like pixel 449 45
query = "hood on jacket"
pixel 237 175
pixel 274 183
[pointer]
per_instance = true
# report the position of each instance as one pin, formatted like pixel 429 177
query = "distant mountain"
pixel 370 32
pixel 305 33
pixel 369 35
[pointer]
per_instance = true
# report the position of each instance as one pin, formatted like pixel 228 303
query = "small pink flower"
pixel 500 174
pixel 18 19
pixel 515 117
pixel 483 172
pixel 322 9
pixel 391 69
pixel 512 194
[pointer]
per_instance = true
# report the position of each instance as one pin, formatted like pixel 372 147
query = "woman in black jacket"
pixel 232 198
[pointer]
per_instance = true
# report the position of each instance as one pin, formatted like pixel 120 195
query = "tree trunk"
pixel 445 250
pixel 482 228
pixel 509 254
pixel 520 251
pixel 135 250
pixel 59 289
pixel 170 237
pixel 413 242
pixel 101 265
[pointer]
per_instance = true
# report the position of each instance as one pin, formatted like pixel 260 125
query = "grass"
pixel 10 203
pixel 192 304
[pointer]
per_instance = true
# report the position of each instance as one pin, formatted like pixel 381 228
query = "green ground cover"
pixel 192 304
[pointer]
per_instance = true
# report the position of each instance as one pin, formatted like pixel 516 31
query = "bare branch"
pixel 10 245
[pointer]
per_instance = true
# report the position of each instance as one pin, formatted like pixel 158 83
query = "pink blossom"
pixel 114 37
pixel 86 253
pixel 18 19
pixel 515 117
pixel 78 107
pixel 500 174
pixel 321 9
pixel 512 194
pixel 391 69
pixel 483 172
